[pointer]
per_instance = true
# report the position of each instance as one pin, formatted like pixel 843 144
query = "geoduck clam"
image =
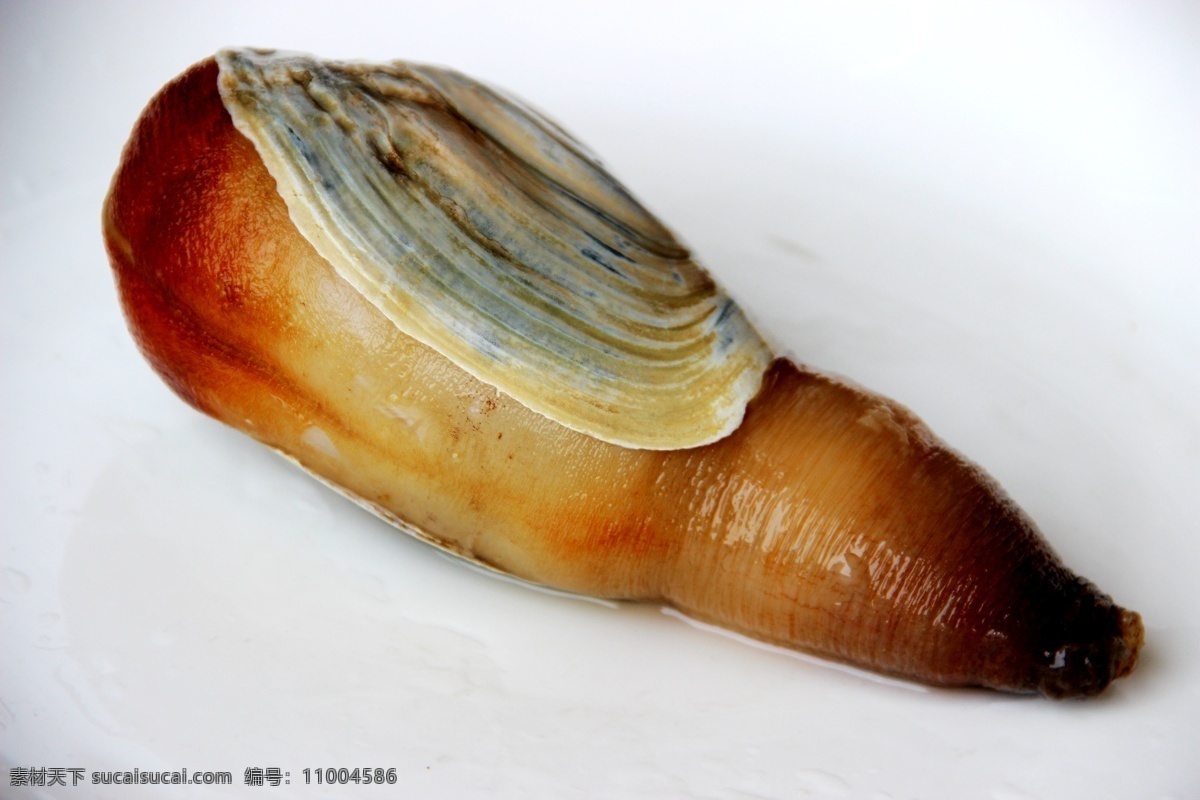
pixel 436 301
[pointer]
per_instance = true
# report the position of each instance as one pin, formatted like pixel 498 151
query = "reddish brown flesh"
pixel 830 521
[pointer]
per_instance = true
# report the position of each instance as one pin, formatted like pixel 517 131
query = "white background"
pixel 987 211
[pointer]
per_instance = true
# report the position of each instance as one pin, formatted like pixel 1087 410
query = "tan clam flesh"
pixel 434 300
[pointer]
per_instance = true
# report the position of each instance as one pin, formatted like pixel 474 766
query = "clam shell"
pixel 485 231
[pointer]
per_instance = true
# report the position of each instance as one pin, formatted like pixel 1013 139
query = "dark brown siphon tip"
pixel 1102 645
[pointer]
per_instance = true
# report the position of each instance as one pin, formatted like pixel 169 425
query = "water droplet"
pixel 409 415
pixel 838 564
pixel 850 565
pixel 317 439
pixel 1060 658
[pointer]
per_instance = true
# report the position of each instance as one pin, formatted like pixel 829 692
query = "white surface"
pixel 990 215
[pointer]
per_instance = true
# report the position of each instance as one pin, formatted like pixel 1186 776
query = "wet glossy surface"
pixel 176 595
pixel 832 520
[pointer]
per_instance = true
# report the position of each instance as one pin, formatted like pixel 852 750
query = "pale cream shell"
pixel 485 231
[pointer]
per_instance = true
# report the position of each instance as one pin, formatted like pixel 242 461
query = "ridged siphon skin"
pixel 830 520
